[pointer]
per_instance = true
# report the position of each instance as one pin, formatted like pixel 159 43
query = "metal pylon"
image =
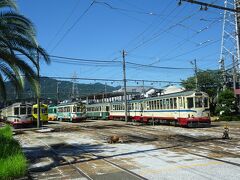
pixel 230 40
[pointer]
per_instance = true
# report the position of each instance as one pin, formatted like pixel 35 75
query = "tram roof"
pixel 109 95
pixel 183 93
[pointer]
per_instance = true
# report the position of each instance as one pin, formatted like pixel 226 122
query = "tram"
pixel 98 111
pixel 17 114
pixel 71 111
pixel 52 113
pixel 187 108
pixel 43 113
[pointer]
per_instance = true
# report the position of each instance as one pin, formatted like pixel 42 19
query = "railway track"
pixel 58 158
pixel 127 174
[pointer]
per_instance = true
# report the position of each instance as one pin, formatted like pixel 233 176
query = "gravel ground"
pixel 81 151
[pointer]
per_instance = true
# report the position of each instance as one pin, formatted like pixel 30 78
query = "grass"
pixel 13 163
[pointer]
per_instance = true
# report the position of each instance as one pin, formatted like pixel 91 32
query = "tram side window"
pixel 171 103
pixel 161 104
pixel 190 102
pixel 174 103
pixel 16 111
pixel 23 110
pixel 198 102
pixel 155 104
pixel 164 104
pixel 158 104
pixel 205 102
pixel 183 102
pixel 180 102
pixel 167 103
pixel 35 110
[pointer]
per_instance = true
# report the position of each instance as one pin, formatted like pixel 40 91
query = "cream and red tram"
pixel 188 108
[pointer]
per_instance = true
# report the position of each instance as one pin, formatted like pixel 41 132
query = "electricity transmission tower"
pixel 229 57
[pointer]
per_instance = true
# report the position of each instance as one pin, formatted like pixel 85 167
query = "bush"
pixel 13 163
pixel 229 118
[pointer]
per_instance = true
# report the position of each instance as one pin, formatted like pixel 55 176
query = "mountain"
pixel 49 88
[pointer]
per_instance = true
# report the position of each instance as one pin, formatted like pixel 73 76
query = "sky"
pixel 152 32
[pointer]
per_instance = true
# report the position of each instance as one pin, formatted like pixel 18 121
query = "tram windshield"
pixel 76 109
pixel 197 102
pixel 16 111
pixel 44 110
pixel 22 110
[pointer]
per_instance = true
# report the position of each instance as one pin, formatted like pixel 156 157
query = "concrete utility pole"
pixel 125 85
pixel 195 71
pixel 38 95
pixel 58 91
pixel 234 74
pixel 143 88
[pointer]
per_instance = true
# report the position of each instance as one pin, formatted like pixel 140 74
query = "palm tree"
pixel 18 44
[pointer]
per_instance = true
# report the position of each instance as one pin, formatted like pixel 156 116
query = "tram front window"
pixel 44 110
pixel 76 109
pixel 206 102
pixel 16 111
pixel 198 102
pixel 23 110
pixel 190 102
pixel 29 110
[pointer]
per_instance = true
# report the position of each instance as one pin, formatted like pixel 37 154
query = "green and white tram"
pixel 98 111
pixel 72 112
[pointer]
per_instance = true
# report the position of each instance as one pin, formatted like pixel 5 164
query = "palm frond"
pixel 8 3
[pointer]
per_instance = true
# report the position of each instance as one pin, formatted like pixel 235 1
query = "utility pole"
pixel 234 76
pixel 143 88
pixel 58 91
pixel 125 85
pixel 39 92
pixel 196 72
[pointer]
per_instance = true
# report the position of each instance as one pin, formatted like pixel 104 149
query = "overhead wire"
pixel 94 62
pixel 152 24
pixel 72 26
pixel 64 23
pixel 106 79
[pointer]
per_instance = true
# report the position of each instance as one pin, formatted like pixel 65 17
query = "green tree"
pixel 226 104
pixel 18 48
pixel 209 81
